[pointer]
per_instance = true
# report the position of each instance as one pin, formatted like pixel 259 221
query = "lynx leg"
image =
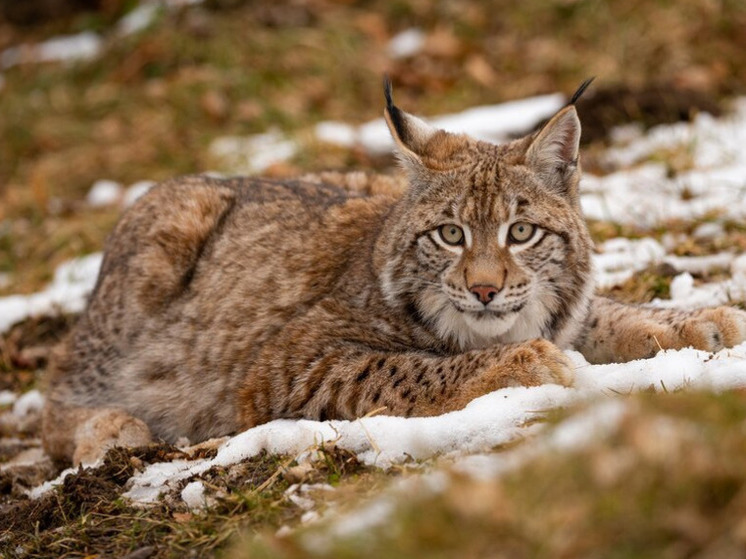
pixel 351 382
pixel 618 332
pixel 83 435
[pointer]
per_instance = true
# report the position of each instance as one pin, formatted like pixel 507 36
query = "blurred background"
pixel 130 91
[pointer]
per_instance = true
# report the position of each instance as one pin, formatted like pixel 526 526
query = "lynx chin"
pixel 225 303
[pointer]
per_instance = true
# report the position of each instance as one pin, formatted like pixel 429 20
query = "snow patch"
pixel 69 48
pixel 47 486
pixel 252 154
pixel 7 397
pixel 138 19
pixel 104 193
pixel 494 123
pixel 30 402
pixel 646 195
pixel 68 292
pixel 194 496
pixel 135 191
pixel 407 43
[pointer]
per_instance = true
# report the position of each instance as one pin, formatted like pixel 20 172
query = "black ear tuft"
pixel 387 92
pixel 581 90
pixel 395 114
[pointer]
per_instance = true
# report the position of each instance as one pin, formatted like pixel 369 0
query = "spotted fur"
pixel 223 304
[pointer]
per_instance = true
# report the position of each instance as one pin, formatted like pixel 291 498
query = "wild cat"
pixel 225 303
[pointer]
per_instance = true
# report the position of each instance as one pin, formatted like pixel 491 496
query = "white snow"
pixel 645 195
pixel 39 490
pixel 68 48
pixel 30 402
pixel 407 43
pixel 107 193
pixel 134 191
pixel 138 19
pixel 620 258
pixel 104 193
pixel 194 496
pixel 494 123
pixel 252 154
pixel 7 397
pixel 68 292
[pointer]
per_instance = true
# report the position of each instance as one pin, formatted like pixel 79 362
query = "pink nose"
pixel 485 293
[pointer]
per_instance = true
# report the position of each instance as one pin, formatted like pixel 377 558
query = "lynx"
pixel 222 304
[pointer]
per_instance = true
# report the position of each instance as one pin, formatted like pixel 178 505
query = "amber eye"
pixel 451 234
pixel 521 232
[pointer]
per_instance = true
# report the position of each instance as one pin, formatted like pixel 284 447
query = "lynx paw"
pixel 527 364
pixel 714 329
pixel 706 329
pixel 536 362
pixel 106 429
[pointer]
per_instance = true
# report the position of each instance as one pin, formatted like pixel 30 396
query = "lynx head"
pixel 488 244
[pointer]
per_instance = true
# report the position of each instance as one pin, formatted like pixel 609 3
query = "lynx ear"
pixel 420 146
pixel 553 153
pixel 410 133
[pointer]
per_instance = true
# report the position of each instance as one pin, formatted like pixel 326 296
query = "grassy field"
pixel 148 108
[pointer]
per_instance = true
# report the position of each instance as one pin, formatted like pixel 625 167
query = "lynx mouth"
pixel 487 313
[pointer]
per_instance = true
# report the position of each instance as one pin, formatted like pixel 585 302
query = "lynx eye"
pixel 521 232
pixel 451 234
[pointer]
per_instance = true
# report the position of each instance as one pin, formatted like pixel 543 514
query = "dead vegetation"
pixel 149 107
pixel 87 516
pixel 668 481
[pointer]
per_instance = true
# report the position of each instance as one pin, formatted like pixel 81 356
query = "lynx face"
pixel 492 246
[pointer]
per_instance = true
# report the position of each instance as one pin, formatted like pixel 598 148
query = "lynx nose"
pixel 485 293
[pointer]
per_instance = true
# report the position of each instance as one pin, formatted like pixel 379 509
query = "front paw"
pixel 533 363
pixel 705 329
pixel 529 363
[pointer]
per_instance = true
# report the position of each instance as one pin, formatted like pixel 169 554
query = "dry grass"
pixel 668 482
pixel 152 103
pixel 87 516
pixel 148 108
